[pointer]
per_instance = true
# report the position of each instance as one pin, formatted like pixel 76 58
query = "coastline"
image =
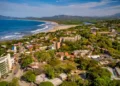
pixel 54 27
pixel 61 27
pixel 17 35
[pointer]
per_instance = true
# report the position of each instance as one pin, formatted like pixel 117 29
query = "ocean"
pixel 15 29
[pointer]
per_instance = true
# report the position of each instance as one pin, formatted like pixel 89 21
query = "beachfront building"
pixel 6 63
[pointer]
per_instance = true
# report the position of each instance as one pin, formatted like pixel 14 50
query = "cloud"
pixel 81 9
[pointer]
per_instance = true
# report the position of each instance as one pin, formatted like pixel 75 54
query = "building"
pixel 117 70
pixel 94 30
pixel 94 56
pixel 34 65
pixel 43 48
pixel 56 81
pixel 63 76
pixel 14 49
pixel 57 45
pixel 6 64
pixel 81 53
pixel 41 78
pixel 52 47
pixel 73 39
pixel 61 55
pixel 112 30
pixel 69 55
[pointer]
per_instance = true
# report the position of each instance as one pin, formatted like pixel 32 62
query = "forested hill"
pixel 67 19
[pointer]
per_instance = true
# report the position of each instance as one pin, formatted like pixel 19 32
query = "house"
pixel 81 53
pixel 112 30
pixel 47 37
pixel 27 53
pixel 104 62
pixel 61 55
pixel 117 70
pixel 57 45
pixel 52 47
pixel 3 46
pixel 94 30
pixel 41 78
pixel 69 55
pixel 43 48
pixel 56 81
pixel 29 46
pixel 94 56
pixel 63 76
pixel 34 65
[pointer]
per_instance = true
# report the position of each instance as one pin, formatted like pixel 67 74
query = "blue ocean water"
pixel 12 29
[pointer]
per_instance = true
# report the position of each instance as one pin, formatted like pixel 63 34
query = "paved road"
pixel 16 72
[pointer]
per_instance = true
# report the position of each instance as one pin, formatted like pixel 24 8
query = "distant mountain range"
pixel 7 17
pixel 116 15
pixel 76 18
pixel 67 17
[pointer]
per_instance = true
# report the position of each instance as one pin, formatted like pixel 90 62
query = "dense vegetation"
pixel 46 84
pixel 93 74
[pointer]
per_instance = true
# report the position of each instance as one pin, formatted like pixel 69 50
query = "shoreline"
pixel 54 27
pixel 17 35
pixel 61 27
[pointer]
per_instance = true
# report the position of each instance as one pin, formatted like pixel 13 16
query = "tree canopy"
pixel 46 84
pixel 29 76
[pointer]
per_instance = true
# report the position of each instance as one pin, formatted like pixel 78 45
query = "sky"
pixel 45 8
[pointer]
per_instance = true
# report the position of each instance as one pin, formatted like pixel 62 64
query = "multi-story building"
pixel 57 45
pixel 14 48
pixel 6 63
pixel 73 39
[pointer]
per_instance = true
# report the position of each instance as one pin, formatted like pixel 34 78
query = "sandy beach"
pixel 49 26
pixel 61 27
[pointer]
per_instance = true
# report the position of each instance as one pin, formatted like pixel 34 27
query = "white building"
pixel 43 48
pixel 6 63
pixel 41 78
pixel 72 39
pixel 14 48
pixel 81 52
pixel 117 71
pixel 63 76
pixel 94 56
pixel 56 81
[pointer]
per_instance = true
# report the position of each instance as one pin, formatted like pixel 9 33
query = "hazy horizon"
pixel 44 8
